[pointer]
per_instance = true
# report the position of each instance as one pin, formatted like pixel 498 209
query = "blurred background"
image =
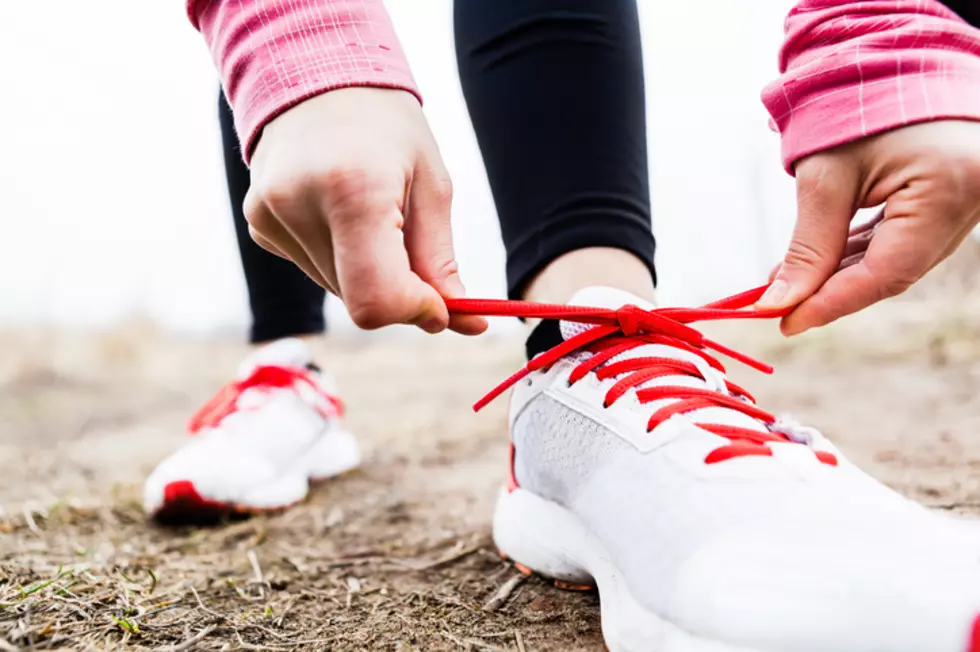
pixel 123 307
pixel 115 204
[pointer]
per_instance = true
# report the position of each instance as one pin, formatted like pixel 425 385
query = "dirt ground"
pixel 396 555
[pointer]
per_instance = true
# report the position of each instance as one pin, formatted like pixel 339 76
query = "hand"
pixel 928 178
pixel 349 185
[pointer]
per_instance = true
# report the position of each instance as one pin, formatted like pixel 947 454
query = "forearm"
pixel 853 69
pixel 272 55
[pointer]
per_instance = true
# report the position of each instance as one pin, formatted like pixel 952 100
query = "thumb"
pixel 827 190
pixel 429 242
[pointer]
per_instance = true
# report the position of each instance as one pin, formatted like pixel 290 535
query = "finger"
pixel 301 225
pixel 375 276
pixel 774 271
pixel 901 252
pixel 858 243
pixel 827 193
pixel 306 265
pixel 870 225
pixel 262 222
pixel 429 242
pixel 258 239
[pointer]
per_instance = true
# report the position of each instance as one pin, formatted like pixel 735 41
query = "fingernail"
pixel 432 326
pixel 774 295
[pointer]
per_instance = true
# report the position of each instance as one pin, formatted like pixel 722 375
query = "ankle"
pixel 594 266
pixel 310 339
pixel 570 272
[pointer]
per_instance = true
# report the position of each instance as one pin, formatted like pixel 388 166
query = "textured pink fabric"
pixel 273 54
pixel 852 69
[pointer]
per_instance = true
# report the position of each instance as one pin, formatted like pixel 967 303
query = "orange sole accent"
pixel 560 584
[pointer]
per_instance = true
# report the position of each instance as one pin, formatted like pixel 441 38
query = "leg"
pixel 555 92
pixel 969 10
pixel 284 301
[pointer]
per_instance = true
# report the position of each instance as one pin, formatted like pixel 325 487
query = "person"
pixel 704 521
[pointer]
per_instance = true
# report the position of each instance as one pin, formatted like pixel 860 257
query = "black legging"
pixel 284 301
pixel 555 93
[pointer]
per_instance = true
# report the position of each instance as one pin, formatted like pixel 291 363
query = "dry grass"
pixel 396 555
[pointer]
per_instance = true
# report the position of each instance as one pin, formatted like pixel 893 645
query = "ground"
pixel 396 555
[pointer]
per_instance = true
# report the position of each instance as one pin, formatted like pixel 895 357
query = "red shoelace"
pixel 267 377
pixel 617 331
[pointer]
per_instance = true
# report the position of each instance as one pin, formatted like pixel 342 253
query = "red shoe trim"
pixel 511 478
pixel 827 457
pixel 523 569
pixel 183 503
pixel 571 586
pixel 975 637
pixel 737 449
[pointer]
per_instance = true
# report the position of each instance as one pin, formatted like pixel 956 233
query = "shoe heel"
pixel 534 534
pixel 336 453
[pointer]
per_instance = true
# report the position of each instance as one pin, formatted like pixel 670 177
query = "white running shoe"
pixel 258 443
pixel 707 524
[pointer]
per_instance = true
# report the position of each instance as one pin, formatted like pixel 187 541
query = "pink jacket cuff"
pixel 273 55
pixel 853 69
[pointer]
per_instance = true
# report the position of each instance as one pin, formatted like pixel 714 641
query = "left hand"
pixel 928 178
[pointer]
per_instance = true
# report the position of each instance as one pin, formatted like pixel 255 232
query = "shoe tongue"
pixel 613 299
pixel 289 352
pixel 599 297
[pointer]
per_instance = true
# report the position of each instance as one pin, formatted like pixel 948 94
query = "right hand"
pixel 349 185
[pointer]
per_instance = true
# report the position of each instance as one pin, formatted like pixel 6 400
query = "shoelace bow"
pixel 617 331
pixel 266 377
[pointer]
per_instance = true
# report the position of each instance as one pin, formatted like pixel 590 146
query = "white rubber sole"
pixel 335 452
pixel 551 541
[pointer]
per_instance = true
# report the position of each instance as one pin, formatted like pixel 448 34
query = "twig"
pixel 448 559
pixel 201 604
pixel 285 611
pixel 520 641
pixel 193 640
pixel 7 647
pixel 31 524
pixel 503 593
pixel 471 642
pixel 254 561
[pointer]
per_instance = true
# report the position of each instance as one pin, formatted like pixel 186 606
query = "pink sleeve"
pixel 273 54
pixel 853 69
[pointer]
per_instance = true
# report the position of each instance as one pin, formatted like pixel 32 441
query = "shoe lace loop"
pixel 267 378
pixel 617 331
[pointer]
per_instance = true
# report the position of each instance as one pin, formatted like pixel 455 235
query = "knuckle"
pixel 369 311
pixel 966 172
pixel 894 286
pixel 345 188
pixel 804 255
pixel 256 214
pixel 278 196
pixel 444 269
pixel 442 189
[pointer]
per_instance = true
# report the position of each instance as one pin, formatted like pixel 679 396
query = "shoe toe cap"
pixel 845 593
pixel 225 478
